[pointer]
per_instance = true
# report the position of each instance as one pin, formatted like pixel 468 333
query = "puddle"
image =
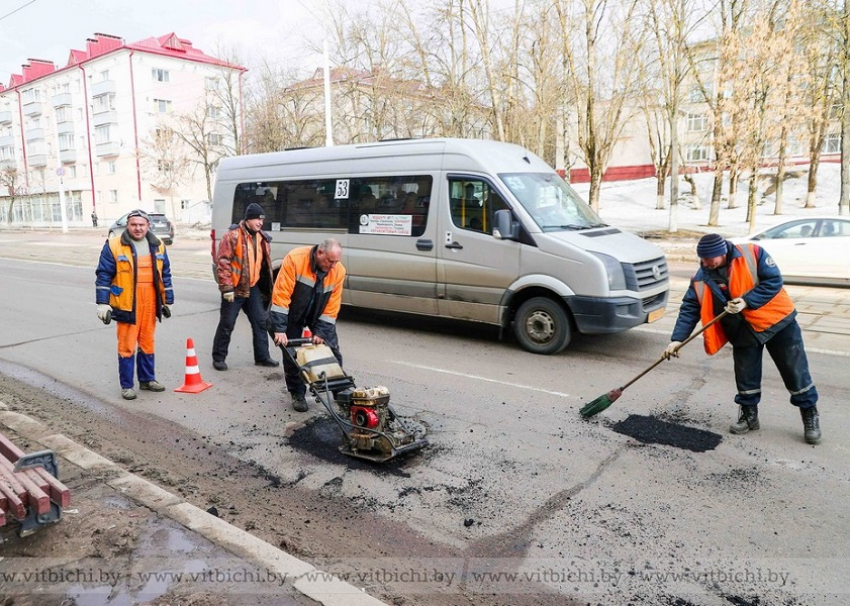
pixel 649 430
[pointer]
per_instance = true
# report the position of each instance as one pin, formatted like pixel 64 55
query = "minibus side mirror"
pixel 506 227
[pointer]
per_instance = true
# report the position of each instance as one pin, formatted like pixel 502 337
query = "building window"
pixel 212 83
pixel 7 153
pixel 72 171
pixel 113 195
pixel 160 75
pixel 696 153
pixel 31 94
pixel 184 204
pixel 110 168
pixel 102 134
pixel 832 144
pixel 66 141
pixel 215 139
pixel 213 112
pixel 697 122
pixel 104 103
pixel 63 114
pixel 162 106
pixel 104 76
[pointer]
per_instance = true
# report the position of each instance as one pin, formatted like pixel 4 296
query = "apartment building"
pixel 102 132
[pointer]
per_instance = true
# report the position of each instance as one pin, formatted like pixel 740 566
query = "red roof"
pixel 168 45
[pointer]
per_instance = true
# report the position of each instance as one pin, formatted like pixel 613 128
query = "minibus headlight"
pixel 616 276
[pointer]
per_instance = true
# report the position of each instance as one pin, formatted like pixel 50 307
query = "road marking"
pixel 480 378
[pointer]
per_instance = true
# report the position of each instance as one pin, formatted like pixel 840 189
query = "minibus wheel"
pixel 542 326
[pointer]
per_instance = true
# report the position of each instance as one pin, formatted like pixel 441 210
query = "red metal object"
pixel 364 417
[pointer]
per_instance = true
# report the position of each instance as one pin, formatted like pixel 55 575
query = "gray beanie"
pixel 710 246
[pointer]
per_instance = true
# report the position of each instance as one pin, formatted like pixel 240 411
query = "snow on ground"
pixel 631 204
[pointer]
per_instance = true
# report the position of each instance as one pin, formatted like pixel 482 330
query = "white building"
pixel 100 132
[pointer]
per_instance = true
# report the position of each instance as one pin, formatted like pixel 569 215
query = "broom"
pixel 604 401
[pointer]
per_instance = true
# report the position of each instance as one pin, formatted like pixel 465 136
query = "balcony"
pixel 38 160
pixel 61 99
pixel 107 149
pixel 67 156
pixel 8 163
pixel 7 141
pixel 65 128
pixel 104 87
pixel 105 117
pixel 5 117
pixel 35 134
pixel 33 108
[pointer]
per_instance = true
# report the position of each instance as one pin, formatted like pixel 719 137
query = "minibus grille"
pixel 646 274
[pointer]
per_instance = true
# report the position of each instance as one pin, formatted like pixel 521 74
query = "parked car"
pixel 160 226
pixel 812 250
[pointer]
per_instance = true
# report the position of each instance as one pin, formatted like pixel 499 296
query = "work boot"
pixel 128 393
pixel 811 424
pixel 151 386
pixel 219 365
pixel 267 363
pixel 748 420
pixel 299 402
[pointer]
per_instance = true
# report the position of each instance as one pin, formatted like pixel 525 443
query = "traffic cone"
pixel 193 382
pixel 306 333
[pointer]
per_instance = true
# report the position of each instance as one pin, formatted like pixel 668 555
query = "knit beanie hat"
pixel 254 211
pixel 711 246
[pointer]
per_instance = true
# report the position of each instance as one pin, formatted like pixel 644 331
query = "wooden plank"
pixel 59 493
pixel 9 478
pixel 14 505
pixel 9 450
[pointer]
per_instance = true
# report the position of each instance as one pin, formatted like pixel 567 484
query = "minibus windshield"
pixel 552 203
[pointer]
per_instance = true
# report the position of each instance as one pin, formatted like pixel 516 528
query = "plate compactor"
pixel 370 427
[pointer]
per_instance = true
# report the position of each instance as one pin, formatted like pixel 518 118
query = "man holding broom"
pixel 744 281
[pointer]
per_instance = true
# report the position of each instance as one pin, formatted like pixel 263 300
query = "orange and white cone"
pixel 306 333
pixel 193 382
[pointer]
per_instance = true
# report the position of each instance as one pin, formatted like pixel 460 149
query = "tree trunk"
pixel 660 182
pixel 595 186
pixel 844 198
pixel 716 191
pixel 733 188
pixel 812 182
pixel 752 196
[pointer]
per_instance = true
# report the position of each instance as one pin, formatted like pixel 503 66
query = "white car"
pixel 812 250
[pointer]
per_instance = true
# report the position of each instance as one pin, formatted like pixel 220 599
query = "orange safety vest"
pixel 743 277
pixel 123 293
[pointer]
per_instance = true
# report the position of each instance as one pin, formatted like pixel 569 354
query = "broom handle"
pixel 685 342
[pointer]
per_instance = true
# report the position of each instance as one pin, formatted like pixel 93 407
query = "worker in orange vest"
pixel 744 280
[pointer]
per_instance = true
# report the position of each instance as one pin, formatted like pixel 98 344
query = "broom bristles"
pixel 600 403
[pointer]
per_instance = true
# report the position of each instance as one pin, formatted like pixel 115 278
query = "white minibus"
pixel 456 228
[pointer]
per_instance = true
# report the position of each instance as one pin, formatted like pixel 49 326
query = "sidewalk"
pixel 146 544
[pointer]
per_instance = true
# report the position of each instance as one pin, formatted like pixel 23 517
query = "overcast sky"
pixel 49 29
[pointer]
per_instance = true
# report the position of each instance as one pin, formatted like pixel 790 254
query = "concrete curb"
pixel 315 584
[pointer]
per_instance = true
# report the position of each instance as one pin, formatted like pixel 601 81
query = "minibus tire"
pixel 542 326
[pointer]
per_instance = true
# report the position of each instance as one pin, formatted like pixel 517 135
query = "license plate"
pixel 655 315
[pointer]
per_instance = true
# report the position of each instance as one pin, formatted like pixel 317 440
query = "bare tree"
pixel 9 178
pixel 600 69
pixel 165 161
pixel 198 131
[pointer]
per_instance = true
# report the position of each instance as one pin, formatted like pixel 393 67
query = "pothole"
pixel 649 430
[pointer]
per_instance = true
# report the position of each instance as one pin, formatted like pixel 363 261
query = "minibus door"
pixel 474 268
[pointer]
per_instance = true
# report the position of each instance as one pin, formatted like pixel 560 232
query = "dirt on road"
pixel 319 528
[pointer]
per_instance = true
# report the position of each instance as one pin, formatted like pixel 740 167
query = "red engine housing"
pixel 363 416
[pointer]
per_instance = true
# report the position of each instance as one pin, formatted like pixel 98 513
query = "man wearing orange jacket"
pixel 133 287
pixel 244 271
pixel 307 292
pixel 744 280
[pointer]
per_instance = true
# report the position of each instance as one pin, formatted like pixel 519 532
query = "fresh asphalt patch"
pixel 650 430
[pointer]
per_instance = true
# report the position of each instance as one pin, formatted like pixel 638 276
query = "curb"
pixel 329 591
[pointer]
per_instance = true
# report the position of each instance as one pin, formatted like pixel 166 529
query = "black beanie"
pixel 254 211
pixel 711 246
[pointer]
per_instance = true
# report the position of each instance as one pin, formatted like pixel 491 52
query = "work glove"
pixel 228 296
pixel 672 350
pixel 166 311
pixel 736 306
pixel 103 311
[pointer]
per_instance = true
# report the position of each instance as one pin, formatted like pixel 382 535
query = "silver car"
pixel 160 226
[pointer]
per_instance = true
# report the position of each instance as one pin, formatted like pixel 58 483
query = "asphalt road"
pixel 516 491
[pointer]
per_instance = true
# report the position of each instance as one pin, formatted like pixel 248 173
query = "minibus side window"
pixel 391 206
pixel 473 204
